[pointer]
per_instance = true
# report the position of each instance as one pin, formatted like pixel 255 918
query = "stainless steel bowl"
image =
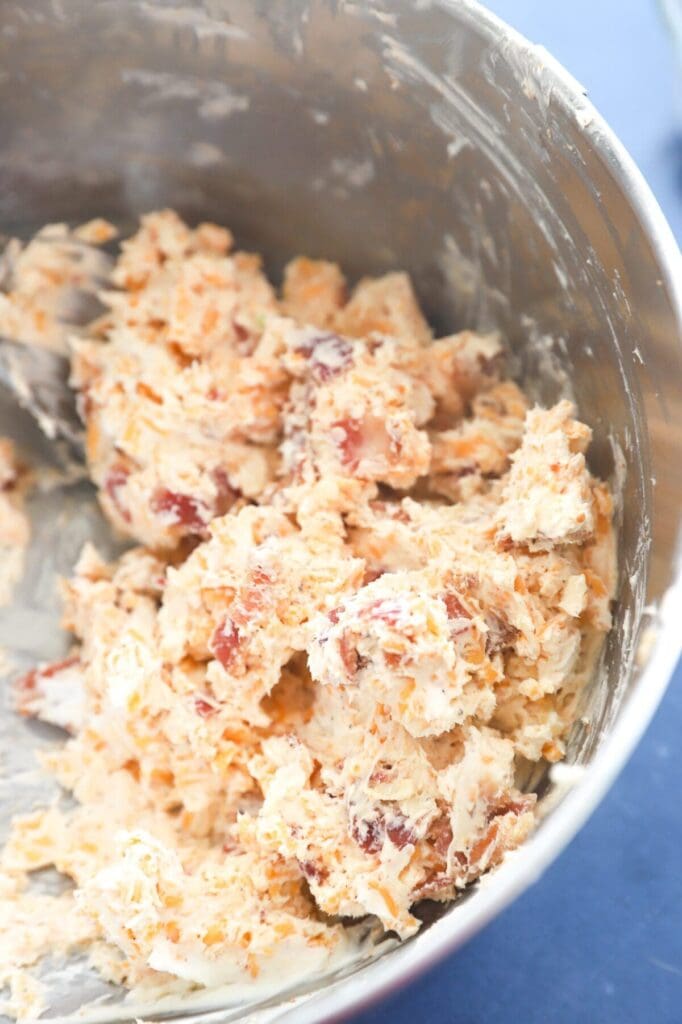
pixel 422 134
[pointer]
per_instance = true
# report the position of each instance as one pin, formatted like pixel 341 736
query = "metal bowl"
pixel 425 135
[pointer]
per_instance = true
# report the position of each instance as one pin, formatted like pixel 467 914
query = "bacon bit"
pixel 203 708
pixel 241 332
pixel 501 634
pixel 394 512
pixel 253 597
pixel 334 615
pixel 435 883
pixel 371 575
pixel 440 835
pixel 368 834
pixel 314 872
pixel 509 805
pixel 454 607
pixel 115 480
pixel 230 845
pixel 182 509
pixel 225 643
pixel 58 666
pixel 260 577
pixel 392 659
pixel 226 494
pixel 245 339
pixel 349 654
pixel 350 443
pixel 214 395
pixel 329 355
pixel 400 832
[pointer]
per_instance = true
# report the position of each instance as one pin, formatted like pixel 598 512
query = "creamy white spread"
pixel 370 579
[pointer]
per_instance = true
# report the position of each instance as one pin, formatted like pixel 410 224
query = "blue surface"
pixel 599 938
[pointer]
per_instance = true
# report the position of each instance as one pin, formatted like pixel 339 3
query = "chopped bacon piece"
pixel 58 666
pixel 226 494
pixel 348 439
pixel 313 872
pixel 181 509
pixel 501 634
pixel 510 805
pixel 458 615
pixel 454 606
pixel 368 833
pixel 254 596
pixel 349 654
pixel 433 886
pixel 246 339
pixel 225 643
pixel 328 355
pixel 440 835
pixel 371 575
pixel 204 708
pixel 400 832
pixel 391 511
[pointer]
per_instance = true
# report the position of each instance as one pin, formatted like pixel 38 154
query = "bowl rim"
pixel 378 978
pixel 387 974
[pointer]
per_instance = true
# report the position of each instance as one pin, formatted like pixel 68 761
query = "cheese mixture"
pixel 369 584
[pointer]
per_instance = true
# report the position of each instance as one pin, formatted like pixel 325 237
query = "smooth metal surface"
pixel 37 379
pixel 422 135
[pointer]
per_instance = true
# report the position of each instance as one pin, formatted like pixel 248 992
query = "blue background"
pixel 599 938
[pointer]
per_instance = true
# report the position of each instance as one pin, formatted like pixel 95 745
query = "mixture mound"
pixel 369 586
